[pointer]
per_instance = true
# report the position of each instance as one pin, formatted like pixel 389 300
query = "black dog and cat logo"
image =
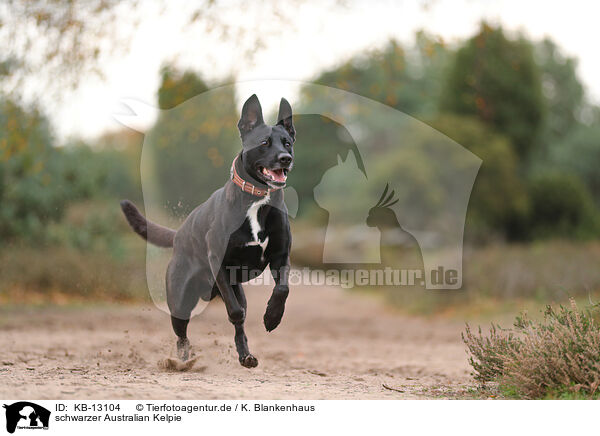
pixel 26 415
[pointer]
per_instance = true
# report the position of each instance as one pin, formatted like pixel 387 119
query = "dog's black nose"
pixel 285 158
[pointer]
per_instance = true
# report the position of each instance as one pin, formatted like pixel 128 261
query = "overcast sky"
pixel 320 38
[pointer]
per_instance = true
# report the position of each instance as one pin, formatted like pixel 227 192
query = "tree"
pixel 57 42
pixel 176 87
pixel 31 194
pixel 579 154
pixel 407 79
pixel 561 206
pixel 496 79
pixel 499 203
pixel 193 141
pixel 562 89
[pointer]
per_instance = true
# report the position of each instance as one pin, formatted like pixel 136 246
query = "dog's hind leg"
pixel 241 341
pixel 182 297
pixel 183 343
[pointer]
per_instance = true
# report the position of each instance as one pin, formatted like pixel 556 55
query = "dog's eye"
pixel 265 142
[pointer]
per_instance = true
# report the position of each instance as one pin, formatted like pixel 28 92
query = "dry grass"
pixel 503 278
pixel 557 356
pixel 63 275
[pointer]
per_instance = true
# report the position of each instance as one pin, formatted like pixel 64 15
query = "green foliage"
pixel 500 81
pixel 176 88
pixel 316 150
pixel 496 93
pixel 91 225
pixel 562 90
pixel 499 198
pixel 579 154
pixel 561 206
pixel 560 354
pixel 516 104
pixel 194 143
pixel 30 197
pixel 88 172
pixel 39 180
pixel 406 79
pixel 496 80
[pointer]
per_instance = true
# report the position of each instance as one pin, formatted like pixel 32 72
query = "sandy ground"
pixel 332 344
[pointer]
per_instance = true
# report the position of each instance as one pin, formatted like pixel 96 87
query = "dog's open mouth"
pixel 276 176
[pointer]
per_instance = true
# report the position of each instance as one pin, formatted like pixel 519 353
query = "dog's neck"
pixel 245 181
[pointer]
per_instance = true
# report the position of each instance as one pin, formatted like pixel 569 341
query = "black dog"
pixel 242 227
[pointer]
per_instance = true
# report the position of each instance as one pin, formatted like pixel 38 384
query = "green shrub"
pixel 561 206
pixel 38 181
pixel 557 356
pixel 499 198
pixel 579 154
pixel 30 197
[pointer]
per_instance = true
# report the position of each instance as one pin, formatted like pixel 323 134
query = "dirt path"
pixel 332 344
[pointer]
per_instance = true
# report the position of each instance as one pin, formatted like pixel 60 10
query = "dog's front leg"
pixel 234 299
pixel 280 270
pixel 216 250
pixel 241 341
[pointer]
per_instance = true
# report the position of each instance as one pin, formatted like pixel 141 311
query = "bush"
pixel 561 206
pixel 557 356
pixel 499 198
pixel 30 197
pixel 579 154
pixel 91 254
pixel 38 181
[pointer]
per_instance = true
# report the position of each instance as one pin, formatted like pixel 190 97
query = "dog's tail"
pixel 153 233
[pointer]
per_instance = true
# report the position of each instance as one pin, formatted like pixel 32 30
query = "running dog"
pixel 242 227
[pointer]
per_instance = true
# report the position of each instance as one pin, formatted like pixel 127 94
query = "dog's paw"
pixel 275 307
pixel 183 349
pixel 273 316
pixel 171 364
pixel 249 361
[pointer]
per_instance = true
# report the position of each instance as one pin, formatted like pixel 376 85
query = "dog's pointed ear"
pixel 251 115
pixel 285 118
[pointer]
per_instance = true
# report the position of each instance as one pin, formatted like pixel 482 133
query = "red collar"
pixel 247 186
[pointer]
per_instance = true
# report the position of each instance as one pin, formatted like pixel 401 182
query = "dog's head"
pixel 267 151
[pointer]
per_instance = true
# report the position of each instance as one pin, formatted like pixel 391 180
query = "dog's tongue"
pixel 278 175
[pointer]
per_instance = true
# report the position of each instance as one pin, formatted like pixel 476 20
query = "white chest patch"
pixel 252 215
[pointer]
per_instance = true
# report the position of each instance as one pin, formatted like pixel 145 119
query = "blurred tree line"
pixel 40 180
pixel 57 202
pixel 193 141
pixel 515 103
